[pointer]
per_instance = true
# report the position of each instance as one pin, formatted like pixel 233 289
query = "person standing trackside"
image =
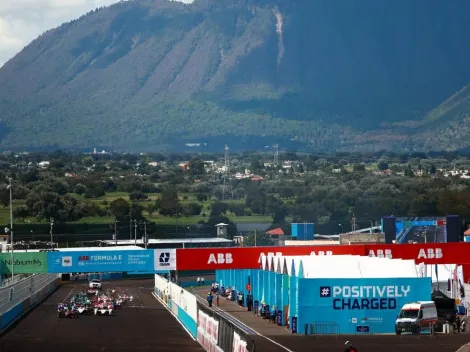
pixel 202 281
pixel 198 281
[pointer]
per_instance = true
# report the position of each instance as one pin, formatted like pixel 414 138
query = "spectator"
pixel 198 281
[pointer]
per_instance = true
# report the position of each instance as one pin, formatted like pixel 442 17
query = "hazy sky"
pixel 21 21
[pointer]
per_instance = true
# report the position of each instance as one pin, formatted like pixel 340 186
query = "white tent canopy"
pixel 342 266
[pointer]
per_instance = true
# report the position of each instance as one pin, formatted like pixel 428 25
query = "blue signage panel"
pixel 101 261
pixel 350 303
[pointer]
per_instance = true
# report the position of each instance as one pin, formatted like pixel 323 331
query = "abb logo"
pixel 322 253
pixel 381 253
pixel 270 254
pixel 220 258
pixel 430 253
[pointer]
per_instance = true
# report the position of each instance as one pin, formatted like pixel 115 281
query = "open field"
pixel 154 217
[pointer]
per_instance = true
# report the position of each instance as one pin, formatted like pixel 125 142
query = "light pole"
pixel 341 227
pixel 9 187
pixel 52 241
pixel 190 235
pixel 32 233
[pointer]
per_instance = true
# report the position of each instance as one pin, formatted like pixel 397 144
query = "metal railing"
pixel 14 280
pixel 318 328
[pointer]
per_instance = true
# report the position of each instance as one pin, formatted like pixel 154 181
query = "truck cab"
pixel 416 316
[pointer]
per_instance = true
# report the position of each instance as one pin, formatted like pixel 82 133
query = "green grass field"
pixel 155 217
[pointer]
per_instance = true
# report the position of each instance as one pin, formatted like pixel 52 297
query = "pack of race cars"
pixel 93 302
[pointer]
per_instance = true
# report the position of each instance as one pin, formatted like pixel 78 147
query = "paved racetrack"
pixel 384 343
pixel 143 325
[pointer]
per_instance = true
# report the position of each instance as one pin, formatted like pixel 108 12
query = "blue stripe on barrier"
pixel 11 315
pixel 187 321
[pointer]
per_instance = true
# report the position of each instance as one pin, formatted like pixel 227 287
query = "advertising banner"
pixel 24 263
pixel 249 257
pixel 207 331
pixel 100 261
pixel 239 345
pixel 353 303
pixel 429 253
pixel 165 259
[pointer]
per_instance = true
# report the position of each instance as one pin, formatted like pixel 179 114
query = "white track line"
pixel 168 309
pixel 250 328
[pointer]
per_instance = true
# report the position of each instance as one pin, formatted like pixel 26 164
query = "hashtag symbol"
pixel 325 292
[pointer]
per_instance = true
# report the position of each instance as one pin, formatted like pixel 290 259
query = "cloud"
pixel 22 21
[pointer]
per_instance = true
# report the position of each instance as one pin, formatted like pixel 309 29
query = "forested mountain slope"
pixel 329 74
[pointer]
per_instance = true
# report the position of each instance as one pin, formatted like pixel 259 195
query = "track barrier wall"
pixel 181 302
pixel 18 299
pixel 218 334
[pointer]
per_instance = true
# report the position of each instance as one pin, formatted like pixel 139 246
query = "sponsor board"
pixel 249 257
pixel 165 259
pixel 100 261
pixel 24 263
pixel 361 302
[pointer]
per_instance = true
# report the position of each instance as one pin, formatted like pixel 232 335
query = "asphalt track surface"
pixel 142 325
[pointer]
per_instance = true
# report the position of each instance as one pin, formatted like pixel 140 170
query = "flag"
pixel 437 276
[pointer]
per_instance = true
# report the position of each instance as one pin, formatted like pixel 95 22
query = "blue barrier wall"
pixel 358 305
pixel 10 316
pixel 187 321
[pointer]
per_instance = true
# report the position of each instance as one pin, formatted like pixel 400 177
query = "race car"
pixel 103 309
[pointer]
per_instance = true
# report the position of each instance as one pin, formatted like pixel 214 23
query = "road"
pixel 143 325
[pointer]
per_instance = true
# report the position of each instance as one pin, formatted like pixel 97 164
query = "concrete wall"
pixel 182 303
pixel 362 238
pixel 19 299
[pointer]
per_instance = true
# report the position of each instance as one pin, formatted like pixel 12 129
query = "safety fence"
pixel 218 332
pixel 18 299
pixel 322 328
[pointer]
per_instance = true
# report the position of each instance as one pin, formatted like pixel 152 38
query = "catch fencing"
pixel 13 295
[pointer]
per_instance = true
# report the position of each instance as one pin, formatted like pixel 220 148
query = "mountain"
pixel 149 74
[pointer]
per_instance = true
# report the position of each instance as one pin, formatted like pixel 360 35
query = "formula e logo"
pixel 67 261
pixel 164 259
pixel 222 258
pixel 325 291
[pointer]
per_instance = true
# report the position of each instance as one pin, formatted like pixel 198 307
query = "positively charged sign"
pixel 364 297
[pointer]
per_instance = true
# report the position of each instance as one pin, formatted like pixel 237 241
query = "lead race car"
pixel 103 308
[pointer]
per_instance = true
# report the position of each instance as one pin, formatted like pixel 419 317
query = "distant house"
pixel 44 164
pixel 257 178
pixel 153 163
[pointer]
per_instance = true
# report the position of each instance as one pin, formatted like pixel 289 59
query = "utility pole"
pixel 255 238
pixel 52 240
pixel 11 229
pixel 276 155
pixel 227 169
pixel 115 231
pixel 145 234
pixel 353 223
pixel 135 232
pixel 130 226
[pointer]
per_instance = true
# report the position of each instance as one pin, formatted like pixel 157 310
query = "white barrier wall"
pixel 181 302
